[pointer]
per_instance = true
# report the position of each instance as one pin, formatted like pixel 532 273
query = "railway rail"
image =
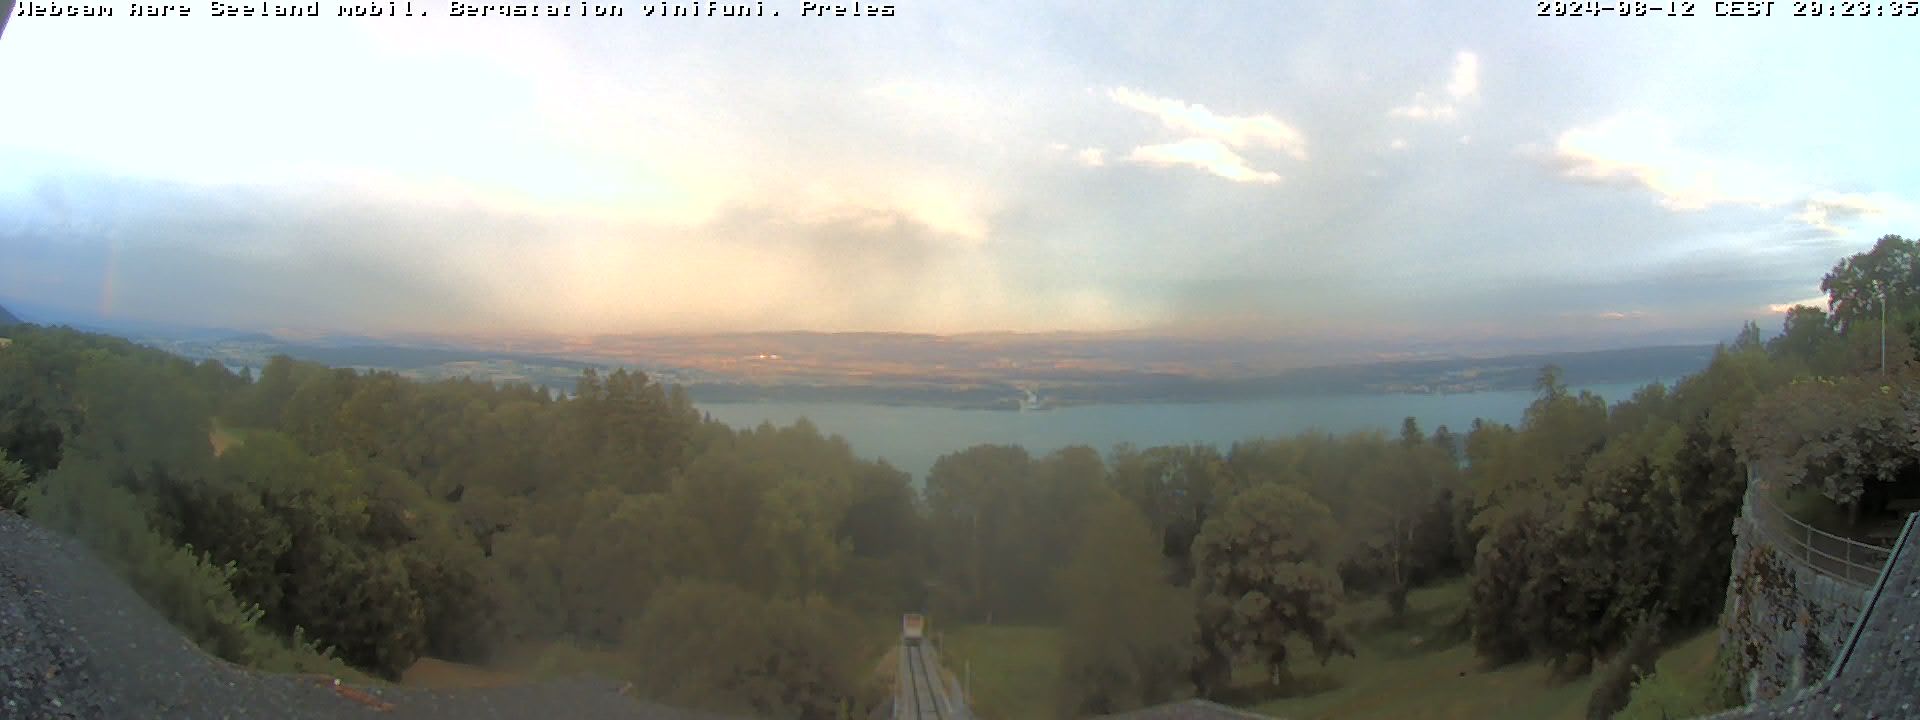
pixel 921 696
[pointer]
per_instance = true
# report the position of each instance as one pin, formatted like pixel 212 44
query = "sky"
pixel 1301 170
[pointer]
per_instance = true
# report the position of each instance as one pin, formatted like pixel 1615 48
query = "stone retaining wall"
pixel 1784 620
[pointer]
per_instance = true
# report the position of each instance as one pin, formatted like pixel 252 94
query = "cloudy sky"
pixel 1229 168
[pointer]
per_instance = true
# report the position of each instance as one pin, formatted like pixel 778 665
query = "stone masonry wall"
pixel 1784 621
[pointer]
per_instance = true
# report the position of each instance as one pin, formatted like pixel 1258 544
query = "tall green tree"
pixel 1177 489
pixel 1858 287
pixel 978 510
pixel 716 646
pixel 1128 633
pixel 886 540
pixel 1401 513
pixel 1806 336
pixel 1264 576
pixel 1848 437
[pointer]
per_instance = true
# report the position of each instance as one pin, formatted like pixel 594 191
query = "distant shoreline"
pixel 913 437
pixel 953 378
pixel 727 394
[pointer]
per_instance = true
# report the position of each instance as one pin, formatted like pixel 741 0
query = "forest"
pixel 326 520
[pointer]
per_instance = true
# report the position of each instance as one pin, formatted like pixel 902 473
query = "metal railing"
pixel 1900 548
pixel 1849 561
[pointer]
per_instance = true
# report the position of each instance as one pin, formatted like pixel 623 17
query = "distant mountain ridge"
pixel 1436 376
pixel 7 318
pixel 976 371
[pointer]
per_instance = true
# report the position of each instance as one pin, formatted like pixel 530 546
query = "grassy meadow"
pixel 1422 667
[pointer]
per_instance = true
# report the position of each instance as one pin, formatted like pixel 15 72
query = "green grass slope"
pixel 1422 667
pixel 1015 669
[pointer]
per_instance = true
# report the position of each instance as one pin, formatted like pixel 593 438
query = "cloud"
pixel 1825 212
pixel 1463 84
pixel 341 258
pixel 159 251
pixel 1619 315
pixel 1817 301
pixel 1203 153
pixel 1238 131
pixel 1465 81
pixel 903 179
pixel 956 109
pixel 1639 150
pixel 1213 141
pixel 1423 109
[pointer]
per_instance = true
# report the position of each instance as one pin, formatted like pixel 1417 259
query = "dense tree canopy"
pixel 1128 633
pixel 1858 286
pixel 386 519
pixel 319 515
pixel 1850 437
pixel 1264 575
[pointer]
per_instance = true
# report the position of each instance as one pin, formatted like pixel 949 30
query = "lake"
pixel 911 438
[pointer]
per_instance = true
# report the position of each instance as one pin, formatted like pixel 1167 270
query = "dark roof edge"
pixel 1900 548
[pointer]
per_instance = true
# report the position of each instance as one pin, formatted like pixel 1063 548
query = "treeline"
pixel 1165 564
pixel 1589 534
pixel 380 520
pixel 313 513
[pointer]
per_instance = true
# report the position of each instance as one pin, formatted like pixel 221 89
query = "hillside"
pixel 312 512
pixel 7 318
pixel 621 532
pixel 80 643
pixel 973 374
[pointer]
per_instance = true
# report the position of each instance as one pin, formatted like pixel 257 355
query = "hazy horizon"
pixel 852 355
pixel 1367 174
